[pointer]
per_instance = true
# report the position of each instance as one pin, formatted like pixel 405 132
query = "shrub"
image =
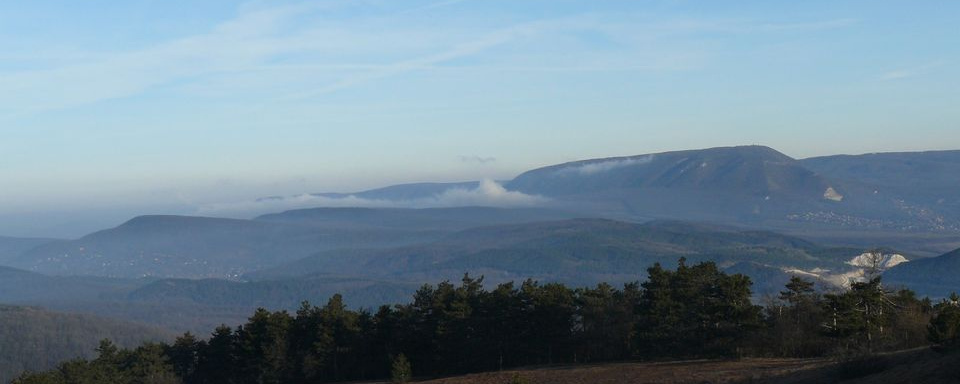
pixel 401 371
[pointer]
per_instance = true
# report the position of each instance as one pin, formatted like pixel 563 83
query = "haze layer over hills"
pixel 752 210
pixel 903 199
pixel 753 187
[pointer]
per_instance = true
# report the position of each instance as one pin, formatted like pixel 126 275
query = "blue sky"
pixel 164 106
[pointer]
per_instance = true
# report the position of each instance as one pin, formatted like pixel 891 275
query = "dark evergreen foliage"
pixel 944 328
pixel 693 311
pixel 34 339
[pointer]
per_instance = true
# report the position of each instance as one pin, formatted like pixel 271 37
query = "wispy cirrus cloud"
pixel 817 25
pixel 474 159
pixel 242 41
pixel 439 4
pixel 488 193
pixel 457 51
pixel 296 52
pixel 258 39
pixel 904 73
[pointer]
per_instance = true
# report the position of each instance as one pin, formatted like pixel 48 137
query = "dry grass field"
pixel 693 371
pixel 914 366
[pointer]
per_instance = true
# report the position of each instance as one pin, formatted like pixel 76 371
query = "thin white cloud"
pixel 904 73
pixel 439 4
pixel 236 42
pixel 488 193
pixel 246 44
pixel 805 26
pixel 256 48
pixel 675 27
pixel 462 50
pixel 474 159
pixel 593 168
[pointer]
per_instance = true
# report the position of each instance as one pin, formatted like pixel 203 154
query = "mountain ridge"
pixel 575 250
pixel 935 276
pixel 751 187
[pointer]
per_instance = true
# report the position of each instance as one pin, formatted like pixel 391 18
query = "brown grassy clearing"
pixel 912 366
pixel 691 371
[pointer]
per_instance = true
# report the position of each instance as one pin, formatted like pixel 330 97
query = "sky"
pixel 114 108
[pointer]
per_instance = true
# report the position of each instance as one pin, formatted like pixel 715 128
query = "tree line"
pixel 690 311
pixel 36 339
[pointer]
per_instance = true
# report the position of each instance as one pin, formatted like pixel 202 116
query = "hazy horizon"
pixel 112 109
pixel 249 201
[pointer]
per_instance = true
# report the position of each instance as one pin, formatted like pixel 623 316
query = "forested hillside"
pixel 578 252
pixel 931 276
pixel 11 247
pixel 693 311
pixel 36 339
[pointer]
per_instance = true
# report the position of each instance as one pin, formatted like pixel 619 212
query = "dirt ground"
pixel 694 371
pixel 921 365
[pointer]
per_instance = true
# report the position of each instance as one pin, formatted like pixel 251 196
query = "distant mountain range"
pixel 935 276
pixel 403 191
pixel 759 186
pixel 13 247
pixel 842 199
pixel 905 201
pixel 749 171
pixel 197 247
pixel 580 252
pixel 190 246
pixel 575 251
pixel 751 185
pixel 751 209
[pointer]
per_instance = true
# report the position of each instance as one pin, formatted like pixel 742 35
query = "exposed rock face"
pixel 831 194
pixel 883 261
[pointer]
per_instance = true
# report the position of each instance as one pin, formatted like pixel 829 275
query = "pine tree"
pixel 401 371
pixel 944 328
pixel 184 355
pixel 218 360
pixel 795 321
pixel 337 332
pixel 695 310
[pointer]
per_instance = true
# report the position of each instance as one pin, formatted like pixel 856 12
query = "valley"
pixel 750 210
pixel 474 192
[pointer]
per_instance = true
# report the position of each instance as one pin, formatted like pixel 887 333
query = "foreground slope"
pixel 906 367
pixel 698 371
